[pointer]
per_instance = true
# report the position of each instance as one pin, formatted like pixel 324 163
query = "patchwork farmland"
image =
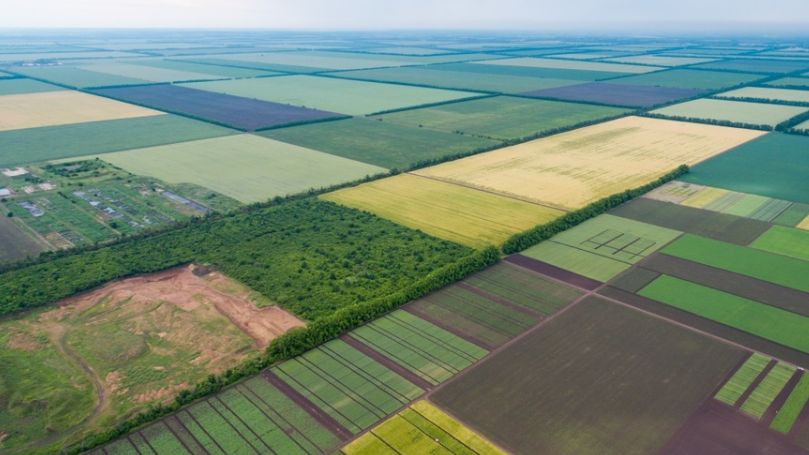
pixel 362 243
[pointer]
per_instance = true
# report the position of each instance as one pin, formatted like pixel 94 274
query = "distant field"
pixel 381 143
pixel 457 78
pixel 420 429
pixel 66 141
pixel 572 65
pixel 32 110
pixel 616 94
pixel 659 60
pixel 733 111
pixel 544 72
pixel 785 240
pixel 148 73
pixel 502 117
pixel 451 212
pixel 238 112
pixel 686 78
pixel 757 65
pixel 802 126
pixel 77 77
pixel 783 327
pixel 602 247
pixel 598 379
pixel 801 82
pixel 331 94
pixel 775 165
pixel 17 244
pixel 245 167
pixel 217 70
pixel 572 169
pixel 778 94
pixel 19 86
pixel 33 56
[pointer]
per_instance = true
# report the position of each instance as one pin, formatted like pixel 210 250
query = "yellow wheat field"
pixel 572 169
pixel 31 110
pixel 451 212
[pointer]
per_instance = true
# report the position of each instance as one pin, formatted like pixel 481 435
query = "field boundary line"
pixel 419 313
pixel 178 438
pixel 486 312
pixel 241 420
pixel 190 434
pixel 429 336
pixel 497 299
pixel 201 427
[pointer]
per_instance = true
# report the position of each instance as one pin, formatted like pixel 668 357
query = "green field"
pixel 245 167
pixel 732 111
pixel 801 82
pixel 331 94
pixel 602 247
pixel 380 143
pixel 66 141
pixel 533 62
pixel 18 86
pixel 468 216
pixel 147 73
pixel 764 394
pixel 659 60
pixel 804 126
pixel 741 380
pixel 346 384
pixel 502 117
pixel 791 409
pixel 419 346
pixel 774 324
pixel 454 76
pixel 222 71
pixel 686 78
pixel 775 268
pixel 774 165
pixel 757 65
pixel 784 240
pixel 762 93
pixel 77 77
pixel 421 429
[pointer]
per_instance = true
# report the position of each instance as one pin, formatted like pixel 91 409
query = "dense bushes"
pixel 311 256
pixel 300 340
pixel 519 242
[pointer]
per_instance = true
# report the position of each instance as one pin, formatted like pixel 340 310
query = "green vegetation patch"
pixel 774 324
pixel 792 408
pixel 785 240
pixel 503 117
pixel 763 93
pixel 346 384
pixel 331 94
pixel 419 346
pixel 764 394
pixel 741 380
pixel 686 78
pixel 67 141
pixel 732 111
pixel 380 143
pixel 775 268
pixel 797 82
pixel 757 65
pixel 77 77
pixel 245 167
pixel 774 165
pixel 309 256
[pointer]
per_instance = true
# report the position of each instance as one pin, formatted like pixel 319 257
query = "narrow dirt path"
pixel 58 334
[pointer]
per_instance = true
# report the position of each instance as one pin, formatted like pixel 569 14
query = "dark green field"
pixel 686 78
pixel 598 379
pixel 380 143
pixel 775 165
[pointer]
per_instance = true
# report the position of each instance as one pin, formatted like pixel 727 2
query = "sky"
pixel 399 14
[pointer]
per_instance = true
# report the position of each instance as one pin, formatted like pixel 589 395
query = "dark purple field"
pixel 616 94
pixel 235 111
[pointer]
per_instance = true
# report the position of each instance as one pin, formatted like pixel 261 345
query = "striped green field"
pixel 771 323
pixel 346 384
pixel 423 348
pixel 732 390
pixel 792 408
pixel 775 268
pixel 421 429
pixel 784 240
pixel 764 394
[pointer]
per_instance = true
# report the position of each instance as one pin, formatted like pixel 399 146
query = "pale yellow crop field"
pixel 573 169
pixel 464 215
pixel 31 110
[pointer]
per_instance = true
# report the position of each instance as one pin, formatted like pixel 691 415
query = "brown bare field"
pixel 103 355
pixel 570 170
pixel 31 110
